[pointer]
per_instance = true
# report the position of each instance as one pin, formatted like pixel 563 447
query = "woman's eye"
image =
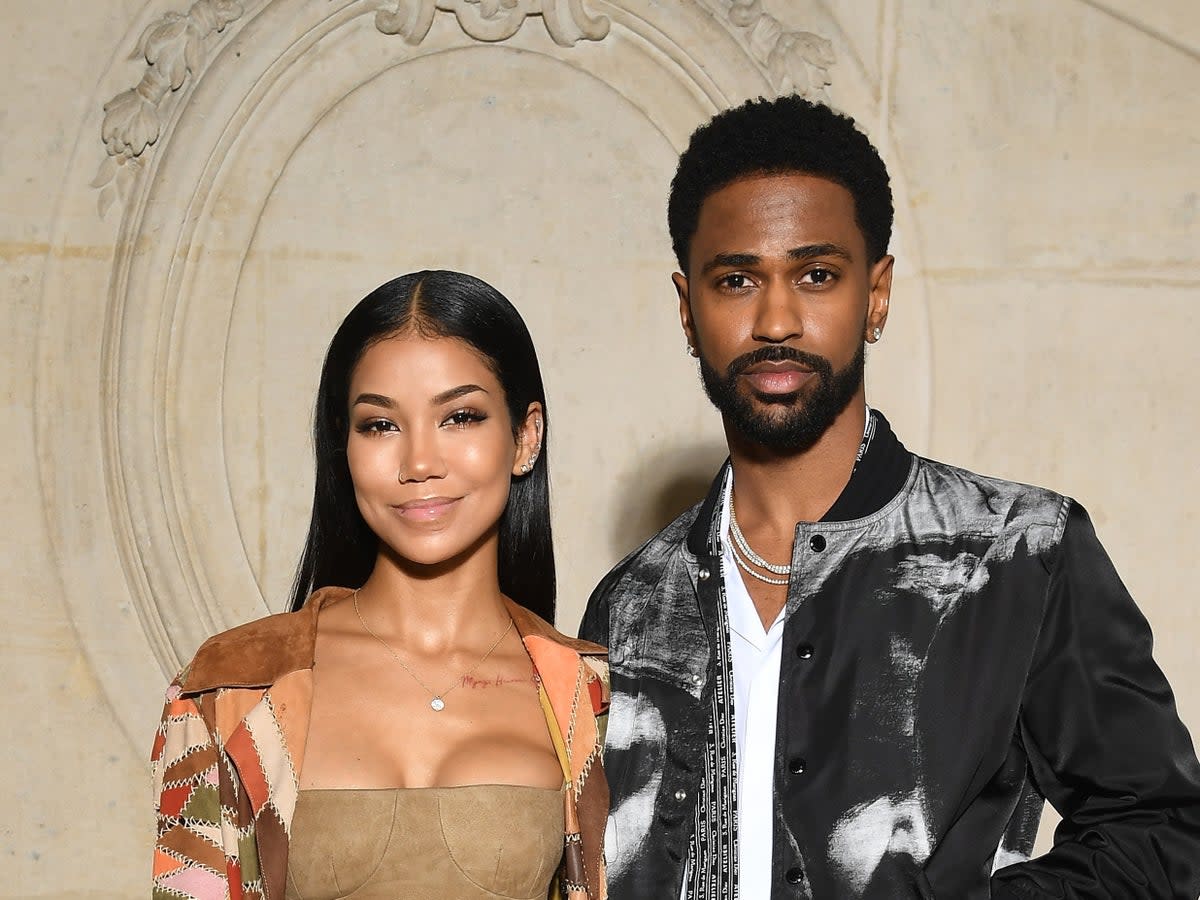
pixel 375 426
pixel 461 418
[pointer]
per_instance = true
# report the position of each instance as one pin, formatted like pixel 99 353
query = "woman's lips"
pixel 426 508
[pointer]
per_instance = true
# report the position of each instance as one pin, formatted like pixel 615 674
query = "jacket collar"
pixel 699 538
pixel 261 652
pixel 879 476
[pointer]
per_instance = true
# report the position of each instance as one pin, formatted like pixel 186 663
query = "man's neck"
pixel 785 488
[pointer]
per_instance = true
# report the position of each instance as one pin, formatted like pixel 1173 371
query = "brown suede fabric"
pixel 227 679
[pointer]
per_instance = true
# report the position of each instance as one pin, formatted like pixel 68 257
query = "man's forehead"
pixel 787 210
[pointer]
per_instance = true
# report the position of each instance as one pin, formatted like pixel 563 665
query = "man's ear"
pixel 685 309
pixel 529 440
pixel 880 298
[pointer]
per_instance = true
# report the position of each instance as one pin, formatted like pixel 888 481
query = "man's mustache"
pixel 780 353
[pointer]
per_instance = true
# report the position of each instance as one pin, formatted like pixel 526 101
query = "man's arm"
pixel 1105 744
pixel 594 626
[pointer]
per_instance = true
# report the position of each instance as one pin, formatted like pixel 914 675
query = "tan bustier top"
pixel 476 842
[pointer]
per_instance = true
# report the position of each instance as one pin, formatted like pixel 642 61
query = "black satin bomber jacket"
pixel 956 649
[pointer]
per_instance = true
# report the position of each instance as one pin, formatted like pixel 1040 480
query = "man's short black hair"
pixel 769 137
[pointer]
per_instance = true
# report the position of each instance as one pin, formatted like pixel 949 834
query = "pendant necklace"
pixel 438 703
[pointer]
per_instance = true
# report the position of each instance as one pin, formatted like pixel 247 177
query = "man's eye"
pixel 734 281
pixel 818 276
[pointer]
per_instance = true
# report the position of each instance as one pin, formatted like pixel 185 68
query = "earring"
pixel 691 351
pixel 525 468
pixel 877 333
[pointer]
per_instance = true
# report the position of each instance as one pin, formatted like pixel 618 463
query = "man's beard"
pixel 795 421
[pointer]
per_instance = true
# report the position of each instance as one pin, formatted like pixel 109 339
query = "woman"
pixel 413 728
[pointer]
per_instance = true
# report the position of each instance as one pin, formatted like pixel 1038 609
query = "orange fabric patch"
pixel 233 872
pixel 559 667
pixel 173 800
pixel 596 695
pixel 160 741
pixel 244 754
pixel 165 864
pixel 289 694
pixel 232 706
pixel 181 708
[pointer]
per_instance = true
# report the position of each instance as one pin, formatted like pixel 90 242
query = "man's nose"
pixel 778 314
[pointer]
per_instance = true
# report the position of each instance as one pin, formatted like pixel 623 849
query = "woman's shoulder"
pixel 567 665
pixel 531 625
pixel 257 653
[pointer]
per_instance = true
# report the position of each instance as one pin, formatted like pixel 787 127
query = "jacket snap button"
pixel 681 795
pixel 817 542
pixel 704 575
pixel 794 875
pixel 805 651
pixel 796 765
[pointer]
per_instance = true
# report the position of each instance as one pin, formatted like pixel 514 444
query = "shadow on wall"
pixel 660 486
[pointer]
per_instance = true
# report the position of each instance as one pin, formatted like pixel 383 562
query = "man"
pixel 851 672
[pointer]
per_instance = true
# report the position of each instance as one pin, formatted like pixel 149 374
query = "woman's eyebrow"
pixel 455 392
pixel 374 400
pixel 444 397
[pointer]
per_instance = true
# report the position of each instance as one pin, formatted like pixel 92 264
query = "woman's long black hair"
pixel 341 548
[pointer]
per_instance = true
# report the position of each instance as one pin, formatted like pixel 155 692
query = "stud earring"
pixel 877 333
pixel 524 468
pixel 691 351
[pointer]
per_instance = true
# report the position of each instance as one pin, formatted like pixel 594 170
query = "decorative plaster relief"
pixel 796 62
pixel 155 479
pixel 495 20
pixel 173 47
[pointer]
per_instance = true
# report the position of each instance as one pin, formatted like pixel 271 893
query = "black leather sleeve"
pixel 594 626
pixel 1105 744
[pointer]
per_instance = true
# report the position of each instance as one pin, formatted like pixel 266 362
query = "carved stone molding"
pixel 173 47
pixel 147 522
pixel 797 62
pixel 495 20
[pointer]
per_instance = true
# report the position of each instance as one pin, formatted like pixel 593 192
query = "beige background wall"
pixel 164 319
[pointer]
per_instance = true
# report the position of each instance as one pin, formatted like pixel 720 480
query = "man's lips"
pixel 426 507
pixel 783 377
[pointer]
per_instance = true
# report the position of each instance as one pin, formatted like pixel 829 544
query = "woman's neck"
pixel 434 607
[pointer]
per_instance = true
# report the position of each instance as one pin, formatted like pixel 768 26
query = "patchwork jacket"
pixel 956 651
pixel 229 750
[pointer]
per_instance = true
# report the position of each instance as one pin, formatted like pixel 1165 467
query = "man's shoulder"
pixel 647 563
pixel 969 499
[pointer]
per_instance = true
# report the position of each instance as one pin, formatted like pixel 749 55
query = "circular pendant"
pixel 438 704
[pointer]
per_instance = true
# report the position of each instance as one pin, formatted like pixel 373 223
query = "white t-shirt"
pixel 756 656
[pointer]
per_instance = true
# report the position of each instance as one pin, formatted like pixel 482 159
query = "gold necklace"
pixel 438 703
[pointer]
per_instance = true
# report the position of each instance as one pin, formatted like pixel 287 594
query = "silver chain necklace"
pixel 742 547
pixel 742 544
pixel 438 703
pixel 737 558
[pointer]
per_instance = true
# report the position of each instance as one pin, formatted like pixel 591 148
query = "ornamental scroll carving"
pixel 232 88
pixel 176 47
pixel 173 47
pixel 495 20
pixel 796 62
